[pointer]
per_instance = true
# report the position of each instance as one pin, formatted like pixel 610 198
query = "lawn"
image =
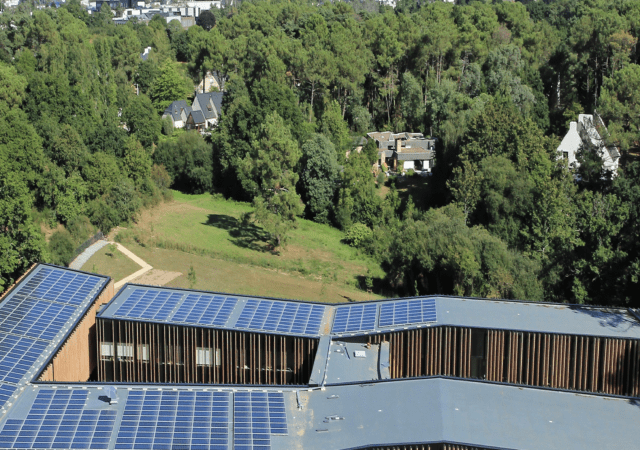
pixel 111 262
pixel 231 256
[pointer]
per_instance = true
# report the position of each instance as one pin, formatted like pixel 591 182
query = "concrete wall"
pixel 76 359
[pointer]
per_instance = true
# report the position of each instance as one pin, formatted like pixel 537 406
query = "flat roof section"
pixel 495 314
pixel 215 310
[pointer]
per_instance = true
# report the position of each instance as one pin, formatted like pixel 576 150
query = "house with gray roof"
pixel 179 112
pixel 210 105
pixel 589 133
pixel 406 150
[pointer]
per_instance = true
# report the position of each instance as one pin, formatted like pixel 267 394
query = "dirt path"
pixel 147 274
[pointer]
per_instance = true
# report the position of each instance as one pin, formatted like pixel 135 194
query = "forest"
pixel 83 145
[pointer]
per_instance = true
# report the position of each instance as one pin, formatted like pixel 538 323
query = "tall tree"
pixel 318 177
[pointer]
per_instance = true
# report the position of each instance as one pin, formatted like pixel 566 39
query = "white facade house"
pixel 584 134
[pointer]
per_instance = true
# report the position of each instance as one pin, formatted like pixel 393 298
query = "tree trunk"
pixel 313 91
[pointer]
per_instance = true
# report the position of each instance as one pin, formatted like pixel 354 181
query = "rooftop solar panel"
pixel 152 304
pixel 281 317
pixel 257 415
pixel 6 391
pixel 59 285
pixel 355 318
pixel 166 420
pixel 408 312
pixel 34 318
pixel 17 355
pixel 57 419
pixel 205 309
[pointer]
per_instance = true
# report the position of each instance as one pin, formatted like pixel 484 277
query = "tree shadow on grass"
pixel 245 235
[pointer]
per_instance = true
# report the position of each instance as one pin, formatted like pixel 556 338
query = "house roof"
pixel 175 108
pixel 216 100
pixel 198 117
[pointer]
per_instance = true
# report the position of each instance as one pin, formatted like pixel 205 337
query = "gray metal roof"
pixel 414 154
pixel 415 411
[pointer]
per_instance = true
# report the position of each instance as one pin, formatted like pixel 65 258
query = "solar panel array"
pixel 355 318
pixel 149 304
pixel 165 420
pixel 281 317
pixel 32 316
pixel 205 309
pixel 17 355
pixel 6 391
pixel 57 419
pixel 407 312
pixel 258 415
pixel 58 285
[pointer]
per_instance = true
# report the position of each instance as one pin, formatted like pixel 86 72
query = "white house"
pixel 584 133
pixel 179 112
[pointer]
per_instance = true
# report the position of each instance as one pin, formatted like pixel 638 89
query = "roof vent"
pixel 111 392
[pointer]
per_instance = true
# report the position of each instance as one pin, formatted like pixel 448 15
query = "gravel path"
pixel 83 257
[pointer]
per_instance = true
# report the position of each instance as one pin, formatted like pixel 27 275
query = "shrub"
pixel 411 172
pixel 61 247
pixel 380 180
pixel 160 176
pixel 167 126
pixel 357 234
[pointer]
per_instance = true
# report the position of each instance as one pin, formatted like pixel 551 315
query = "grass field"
pixel 111 262
pixel 206 232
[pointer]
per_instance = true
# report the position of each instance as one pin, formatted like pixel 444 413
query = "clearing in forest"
pixel 229 255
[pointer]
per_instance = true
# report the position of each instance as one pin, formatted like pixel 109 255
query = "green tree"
pixel 20 243
pixel 620 106
pixel 318 177
pixel 168 86
pixel 142 120
pixel 465 187
pixel 136 162
pixel 357 199
pixel 335 128
pixel 270 173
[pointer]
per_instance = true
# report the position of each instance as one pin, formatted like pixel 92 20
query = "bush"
pixel 160 176
pixel 61 247
pixel 411 172
pixel 80 228
pixel 167 126
pixel 357 234
pixel 380 180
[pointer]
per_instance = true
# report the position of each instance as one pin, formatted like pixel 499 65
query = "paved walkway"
pixel 83 257
pixel 145 267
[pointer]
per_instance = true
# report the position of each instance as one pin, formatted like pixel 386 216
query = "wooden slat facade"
pixel 167 353
pixel 581 363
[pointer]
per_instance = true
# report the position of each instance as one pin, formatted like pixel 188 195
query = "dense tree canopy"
pixel 496 83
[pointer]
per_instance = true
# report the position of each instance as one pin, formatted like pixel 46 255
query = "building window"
pixel 565 155
pixel 478 353
pixel 143 352
pixel 106 351
pixel 203 356
pixel 125 351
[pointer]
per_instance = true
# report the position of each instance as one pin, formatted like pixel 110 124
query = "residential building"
pixel 409 150
pixel 209 104
pixel 179 112
pixel 166 368
pixel 587 134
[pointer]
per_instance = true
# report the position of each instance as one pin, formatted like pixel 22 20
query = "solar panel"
pixel 150 304
pixel 58 285
pixel 17 355
pixel 256 416
pixel 166 420
pixel 407 311
pixel 205 309
pixel 38 319
pixel 6 391
pixel 57 419
pixel 355 318
pixel 281 317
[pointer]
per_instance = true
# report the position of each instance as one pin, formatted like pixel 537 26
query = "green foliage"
pixel 188 161
pixel 358 200
pixel 357 234
pixel 319 177
pixel 269 173
pixel 191 276
pixel 167 126
pixel 141 119
pixel 61 247
pixel 168 86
